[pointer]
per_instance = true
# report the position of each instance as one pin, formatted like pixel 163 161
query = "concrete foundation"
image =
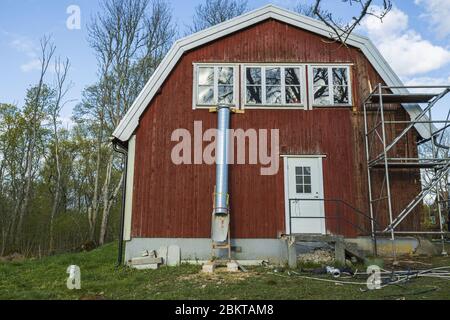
pixel 384 245
pixel 275 251
pixel 272 250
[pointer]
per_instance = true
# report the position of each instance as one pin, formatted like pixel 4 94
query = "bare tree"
pixel 439 195
pixel 308 10
pixel 36 105
pixel 213 12
pixel 130 38
pixel 340 31
pixel 61 71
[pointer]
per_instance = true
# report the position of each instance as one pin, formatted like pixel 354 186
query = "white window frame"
pixel 235 103
pixel 330 85
pixel 283 104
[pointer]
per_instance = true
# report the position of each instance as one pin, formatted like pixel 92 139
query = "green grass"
pixel 46 279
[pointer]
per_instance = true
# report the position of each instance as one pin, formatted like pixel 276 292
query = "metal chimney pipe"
pixel 222 151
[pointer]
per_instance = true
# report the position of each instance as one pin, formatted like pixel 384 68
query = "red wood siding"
pixel 176 201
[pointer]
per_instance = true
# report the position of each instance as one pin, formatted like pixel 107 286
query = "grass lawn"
pixel 46 279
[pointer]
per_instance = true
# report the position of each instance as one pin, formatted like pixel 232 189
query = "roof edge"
pixel 130 121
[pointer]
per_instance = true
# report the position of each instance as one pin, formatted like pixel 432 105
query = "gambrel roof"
pixel 130 121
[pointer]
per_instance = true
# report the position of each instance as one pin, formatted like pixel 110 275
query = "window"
pixel 215 85
pixel 331 86
pixel 303 179
pixel 254 86
pixel 273 85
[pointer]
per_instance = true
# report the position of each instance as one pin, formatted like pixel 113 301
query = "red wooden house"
pixel 282 72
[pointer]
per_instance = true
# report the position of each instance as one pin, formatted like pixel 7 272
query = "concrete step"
pixel 353 250
pixel 342 248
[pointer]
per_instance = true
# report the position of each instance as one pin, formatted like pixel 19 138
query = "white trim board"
pixel 129 189
pixel 130 121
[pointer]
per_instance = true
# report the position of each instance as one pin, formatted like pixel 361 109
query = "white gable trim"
pixel 130 121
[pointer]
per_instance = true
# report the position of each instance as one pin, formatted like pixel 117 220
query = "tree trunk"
pixel 27 193
pixel 57 187
pixel 108 205
pixel 52 216
pixel 4 237
pixel 105 201
pixel 93 209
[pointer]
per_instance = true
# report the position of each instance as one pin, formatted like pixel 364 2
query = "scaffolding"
pixel 379 149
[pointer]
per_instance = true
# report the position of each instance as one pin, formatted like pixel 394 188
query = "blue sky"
pixel 414 38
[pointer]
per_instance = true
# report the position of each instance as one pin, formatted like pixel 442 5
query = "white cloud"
pixel 437 15
pixel 28 48
pixel 395 23
pixel 23 45
pixel 32 65
pixel 406 51
pixel 428 81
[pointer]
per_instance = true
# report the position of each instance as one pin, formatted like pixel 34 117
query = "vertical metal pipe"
pixel 369 182
pixel 222 152
pixel 438 186
pixel 124 153
pixel 386 168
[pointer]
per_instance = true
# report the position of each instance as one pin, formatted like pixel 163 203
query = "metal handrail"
pixel 345 203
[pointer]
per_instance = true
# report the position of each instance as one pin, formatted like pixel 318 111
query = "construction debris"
pixel 209 267
pixel 387 277
pixel 232 266
pixel 173 256
pixel 170 256
pixel 162 253
pixel 402 276
pixel 317 257
pixel 146 260
pixel 334 272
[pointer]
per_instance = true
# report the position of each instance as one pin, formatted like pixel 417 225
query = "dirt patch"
pixel 416 262
pixel 220 276
pixel 15 257
pixel 94 297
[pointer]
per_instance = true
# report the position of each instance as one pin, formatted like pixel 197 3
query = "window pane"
pixel 206 76
pixel 206 94
pixel 273 76
pixel 292 76
pixel 307 170
pixel 340 77
pixel 253 75
pixel 226 94
pixel 341 95
pixel 321 96
pixel 307 189
pixel 225 75
pixel 299 179
pixel 299 189
pixel 293 94
pixel 320 76
pixel 307 179
pixel 254 95
pixel 273 95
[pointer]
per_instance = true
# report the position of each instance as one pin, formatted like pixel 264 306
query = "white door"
pixel 305 206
